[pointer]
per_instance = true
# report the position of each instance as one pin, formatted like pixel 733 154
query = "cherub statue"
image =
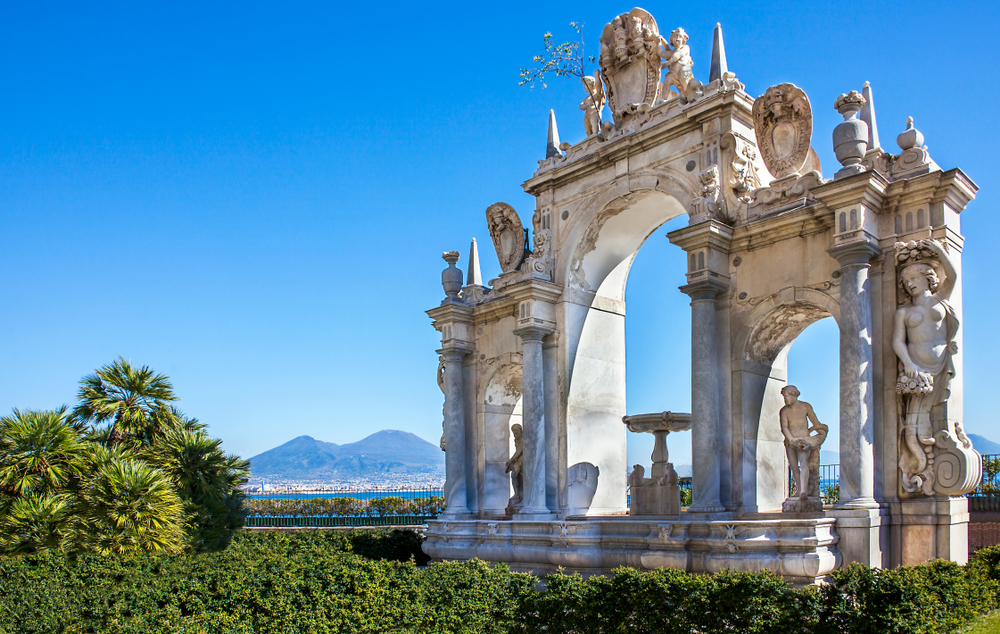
pixel 679 63
pixel 801 445
pixel 593 103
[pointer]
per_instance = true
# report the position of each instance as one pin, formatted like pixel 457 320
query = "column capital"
pixel 704 289
pixel 854 253
pixel 533 332
pixel 455 350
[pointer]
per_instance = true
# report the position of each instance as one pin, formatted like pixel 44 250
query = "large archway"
pixel 594 334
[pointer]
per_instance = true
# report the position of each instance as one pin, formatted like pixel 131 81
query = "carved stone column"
pixel 455 487
pixel 533 421
pixel 857 426
pixel 706 445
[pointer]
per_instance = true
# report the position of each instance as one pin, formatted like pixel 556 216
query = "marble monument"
pixel 532 364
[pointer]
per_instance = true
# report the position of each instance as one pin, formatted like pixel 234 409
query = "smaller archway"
pixel 500 411
pixel 759 375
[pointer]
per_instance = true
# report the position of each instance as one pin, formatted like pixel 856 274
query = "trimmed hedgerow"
pixel 365 581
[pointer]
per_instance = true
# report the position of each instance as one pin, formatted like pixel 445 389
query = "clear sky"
pixel 253 197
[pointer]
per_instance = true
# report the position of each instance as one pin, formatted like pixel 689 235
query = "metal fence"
pixel 370 507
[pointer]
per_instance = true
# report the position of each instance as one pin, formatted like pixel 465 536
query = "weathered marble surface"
pixel 771 246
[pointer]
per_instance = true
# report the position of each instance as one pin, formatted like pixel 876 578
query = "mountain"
pixel 386 451
pixel 984 445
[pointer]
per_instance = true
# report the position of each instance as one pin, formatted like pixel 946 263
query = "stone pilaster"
pixel 857 427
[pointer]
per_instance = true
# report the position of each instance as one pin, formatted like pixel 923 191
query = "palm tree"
pixel 40 452
pixel 135 400
pixel 41 460
pixel 36 523
pixel 128 506
pixel 207 480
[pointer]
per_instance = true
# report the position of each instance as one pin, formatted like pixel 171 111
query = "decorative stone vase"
pixel 850 138
pixel 451 277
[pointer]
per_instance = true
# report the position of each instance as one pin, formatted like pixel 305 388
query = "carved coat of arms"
pixel 508 235
pixel 630 62
pixel 782 120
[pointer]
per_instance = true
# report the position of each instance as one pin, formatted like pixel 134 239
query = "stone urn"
pixel 850 138
pixel 451 277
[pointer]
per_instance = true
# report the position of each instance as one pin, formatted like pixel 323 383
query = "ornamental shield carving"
pixel 508 235
pixel 782 120
pixel 630 62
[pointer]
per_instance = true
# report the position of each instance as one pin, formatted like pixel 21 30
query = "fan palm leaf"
pixel 40 452
pixel 134 399
pixel 129 506
pixel 34 523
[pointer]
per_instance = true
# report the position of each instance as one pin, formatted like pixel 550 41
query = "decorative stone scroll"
pixel 935 456
pixel 782 119
pixel 508 235
pixel 630 63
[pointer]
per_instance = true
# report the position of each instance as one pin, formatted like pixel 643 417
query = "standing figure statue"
pixel 923 339
pixel 802 449
pixel 678 64
pixel 515 467
pixel 593 104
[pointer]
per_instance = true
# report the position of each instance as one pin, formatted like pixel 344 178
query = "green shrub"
pixel 367 582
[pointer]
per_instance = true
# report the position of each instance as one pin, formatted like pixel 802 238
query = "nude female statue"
pixel 923 339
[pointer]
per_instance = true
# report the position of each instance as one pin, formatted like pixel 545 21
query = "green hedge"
pixel 346 507
pixel 366 581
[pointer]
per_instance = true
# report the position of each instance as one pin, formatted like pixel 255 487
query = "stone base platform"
pixel 802 550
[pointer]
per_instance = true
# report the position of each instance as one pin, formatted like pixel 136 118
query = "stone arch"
pixel 762 345
pixel 500 403
pixel 608 234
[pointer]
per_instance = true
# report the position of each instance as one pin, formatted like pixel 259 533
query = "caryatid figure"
pixel 798 422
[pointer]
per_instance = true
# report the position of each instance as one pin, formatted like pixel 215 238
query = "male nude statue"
pixel 515 467
pixel 801 447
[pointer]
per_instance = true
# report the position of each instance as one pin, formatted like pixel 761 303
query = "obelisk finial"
pixel 552 147
pixel 868 116
pixel 475 276
pixel 719 65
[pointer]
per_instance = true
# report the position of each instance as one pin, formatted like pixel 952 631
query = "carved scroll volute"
pixel 508 235
pixel 630 63
pixel 782 119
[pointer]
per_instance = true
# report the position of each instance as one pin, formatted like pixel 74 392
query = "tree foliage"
pixel 568 59
pixel 124 472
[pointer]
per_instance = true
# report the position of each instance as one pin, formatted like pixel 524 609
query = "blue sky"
pixel 253 198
